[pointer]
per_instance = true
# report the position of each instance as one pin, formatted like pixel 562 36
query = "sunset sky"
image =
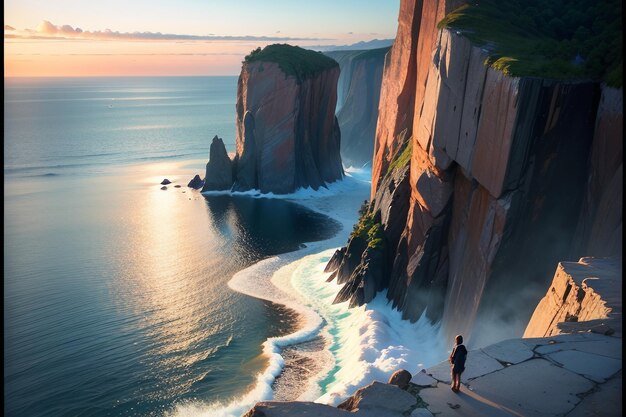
pixel 184 37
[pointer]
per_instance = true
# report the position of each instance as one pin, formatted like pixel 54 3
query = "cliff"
pixel 482 181
pixel 584 295
pixel 287 134
pixel 358 94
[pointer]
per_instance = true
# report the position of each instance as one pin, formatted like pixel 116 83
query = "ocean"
pixel 116 300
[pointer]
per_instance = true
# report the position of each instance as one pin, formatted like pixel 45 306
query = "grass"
pixel 403 159
pixel 560 39
pixel 293 60
pixel 368 228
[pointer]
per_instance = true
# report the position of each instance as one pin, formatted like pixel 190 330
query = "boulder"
pixel 400 378
pixel 378 396
pixel 166 181
pixel 196 183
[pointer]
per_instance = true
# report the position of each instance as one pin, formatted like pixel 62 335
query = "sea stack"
pixel 287 133
pixel 219 171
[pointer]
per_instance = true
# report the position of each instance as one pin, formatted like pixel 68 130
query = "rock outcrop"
pixel 584 295
pixel 287 134
pixel 196 182
pixel 375 400
pixel 358 94
pixel 569 374
pixel 219 170
pixel 489 197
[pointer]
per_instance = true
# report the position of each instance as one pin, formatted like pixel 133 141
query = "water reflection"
pixel 192 335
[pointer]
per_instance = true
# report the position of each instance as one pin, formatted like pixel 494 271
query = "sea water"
pixel 115 292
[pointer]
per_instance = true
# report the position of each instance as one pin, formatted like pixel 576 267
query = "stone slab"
pixel 534 342
pixel 442 402
pixel 422 379
pixel 533 388
pixel 511 351
pixel 596 367
pixel 606 401
pixel 421 412
pixel 477 364
pixel 611 347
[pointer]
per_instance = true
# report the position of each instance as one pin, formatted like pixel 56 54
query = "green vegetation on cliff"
pixel 403 159
pixel 368 228
pixel 293 60
pixel 561 39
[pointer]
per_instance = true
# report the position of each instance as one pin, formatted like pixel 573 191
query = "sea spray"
pixel 369 342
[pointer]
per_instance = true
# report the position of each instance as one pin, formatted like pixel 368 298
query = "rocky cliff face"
pixel 358 94
pixel 287 134
pixel 498 170
pixel 584 295
pixel 219 170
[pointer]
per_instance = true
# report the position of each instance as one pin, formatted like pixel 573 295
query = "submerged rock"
pixel 164 188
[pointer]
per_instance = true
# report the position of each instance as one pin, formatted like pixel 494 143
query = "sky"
pixel 176 37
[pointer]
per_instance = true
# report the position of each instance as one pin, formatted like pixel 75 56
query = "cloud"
pixel 48 30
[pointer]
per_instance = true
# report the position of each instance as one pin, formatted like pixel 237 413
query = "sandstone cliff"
pixel 584 295
pixel 358 94
pixel 479 179
pixel 287 134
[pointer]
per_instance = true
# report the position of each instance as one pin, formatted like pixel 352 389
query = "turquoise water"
pixel 115 291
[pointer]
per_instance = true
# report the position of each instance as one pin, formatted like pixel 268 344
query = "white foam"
pixel 368 343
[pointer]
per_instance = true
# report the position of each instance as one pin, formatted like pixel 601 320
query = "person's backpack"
pixel 461 355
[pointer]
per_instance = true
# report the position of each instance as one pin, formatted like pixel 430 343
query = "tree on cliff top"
pixel 573 39
pixel 293 60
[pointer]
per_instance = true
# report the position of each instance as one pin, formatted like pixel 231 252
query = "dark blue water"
pixel 115 292
pixel 61 125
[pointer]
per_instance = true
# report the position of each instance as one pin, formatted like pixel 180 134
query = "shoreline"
pixel 270 279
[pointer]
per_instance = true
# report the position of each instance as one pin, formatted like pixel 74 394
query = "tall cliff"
pixel 287 133
pixel 358 94
pixel 482 181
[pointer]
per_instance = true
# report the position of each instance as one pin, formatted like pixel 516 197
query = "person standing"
pixel 457 360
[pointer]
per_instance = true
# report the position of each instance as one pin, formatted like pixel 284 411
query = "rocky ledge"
pixel 576 375
pixel 584 295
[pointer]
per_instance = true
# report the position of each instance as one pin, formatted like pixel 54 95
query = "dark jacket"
pixel 457 358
